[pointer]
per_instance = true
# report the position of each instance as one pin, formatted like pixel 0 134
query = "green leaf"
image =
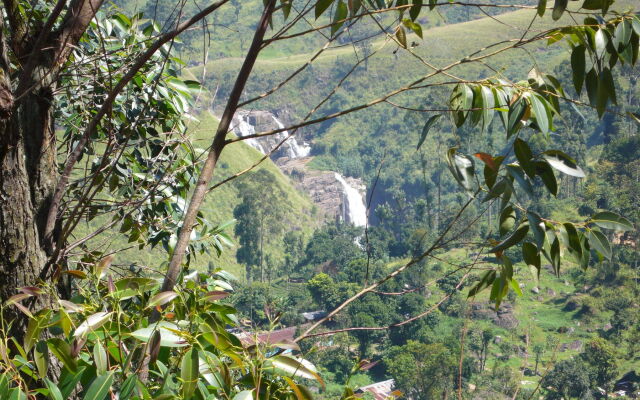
pixel 540 111
pixel 531 257
pixel 610 220
pixel 69 380
pixel 477 106
pixel 585 251
pixel 507 220
pixel 286 8
pixel 34 328
pixel 486 281
pixel 501 285
pixel 622 35
pixel 401 35
pixel 563 163
pixel 460 102
pixel 462 168
pixel 100 358
pixel 167 334
pixel 339 17
pixel 635 47
pixel 496 190
pixel 244 395
pixel 297 367
pixel 92 323
pixel 162 298
pixel 189 373
pixel 41 358
pixel 17 394
pixel 516 112
pixel 414 11
pixel 592 86
pixel 600 40
pixel 321 7
pixel 609 87
pixel 518 174
pixel 558 9
pixel 542 7
pixel 578 65
pixel 54 392
pixel 516 287
pixel 600 243
pixel 99 388
pixel 301 392
pixel 127 387
pixel 426 128
pixel 537 228
pixel 524 155
pixel 596 4
pixel 488 99
pixel 4 385
pixel 545 172
pixel 515 238
pixel 416 28
pixel 62 351
pixel 572 241
pixel 555 256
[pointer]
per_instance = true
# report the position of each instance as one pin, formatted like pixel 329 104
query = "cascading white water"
pixel 292 148
pixel 242 127
pixel 355 211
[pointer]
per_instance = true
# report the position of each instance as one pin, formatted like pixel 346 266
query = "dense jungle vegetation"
pixel 499 261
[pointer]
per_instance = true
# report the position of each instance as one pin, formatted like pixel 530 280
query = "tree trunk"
pixel 27 180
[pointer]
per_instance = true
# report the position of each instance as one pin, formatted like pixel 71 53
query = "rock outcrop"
pixel 338 198
pixel 504 317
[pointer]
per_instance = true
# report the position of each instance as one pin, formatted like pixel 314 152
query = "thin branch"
pixel 393 274
pixel 412 86
pixel 39 44
pixel 215 150
pixel 106 106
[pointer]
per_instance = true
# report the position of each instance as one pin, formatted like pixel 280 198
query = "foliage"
pixel 100 338
pixel 423 370
pixel 260 219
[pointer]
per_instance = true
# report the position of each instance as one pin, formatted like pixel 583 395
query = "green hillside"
pixel 219 204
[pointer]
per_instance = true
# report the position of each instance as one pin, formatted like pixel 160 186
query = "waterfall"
pixel 291 147
pixel 242 128
pixel 341 197
pixel 355 211
pixel 294 149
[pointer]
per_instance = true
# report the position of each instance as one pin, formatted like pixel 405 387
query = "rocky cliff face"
pixel 337 197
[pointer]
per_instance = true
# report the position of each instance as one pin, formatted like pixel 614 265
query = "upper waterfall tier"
pixel 246 123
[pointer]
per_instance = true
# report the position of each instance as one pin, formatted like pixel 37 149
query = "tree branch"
pixel 393 274
pixel 38 46
pixel 18 28
pixel 219 141
pixel 108 102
